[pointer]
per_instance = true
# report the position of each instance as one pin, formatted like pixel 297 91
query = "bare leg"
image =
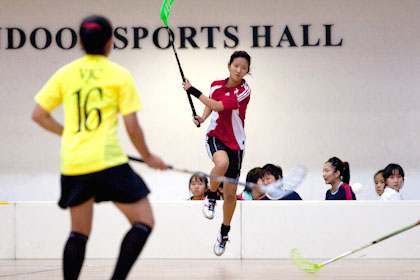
pixel 221 164
pixel 81 217
pixel 138 212
pixel 229 205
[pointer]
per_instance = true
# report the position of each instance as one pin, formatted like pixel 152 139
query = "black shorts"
pixel 235 157
pixel 119 183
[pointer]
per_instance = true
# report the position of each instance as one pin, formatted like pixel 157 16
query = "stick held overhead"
pixel 164 15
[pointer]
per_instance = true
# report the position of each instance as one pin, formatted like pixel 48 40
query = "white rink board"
pixel 328 229
pixel 180 231
pixel 260 229
pixel 7 231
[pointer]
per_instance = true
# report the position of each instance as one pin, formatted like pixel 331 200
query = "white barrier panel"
pixel 260 229
pixel 7 231
pixel 181 231
pixel 41 230
pixel 328 229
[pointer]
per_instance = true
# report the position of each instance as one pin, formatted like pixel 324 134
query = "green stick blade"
pixel 164 10
pixel 303 264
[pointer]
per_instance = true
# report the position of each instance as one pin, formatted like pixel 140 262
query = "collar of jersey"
pixel 94 56
pixel 231 88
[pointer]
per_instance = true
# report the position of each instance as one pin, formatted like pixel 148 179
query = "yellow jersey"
pixel 93 90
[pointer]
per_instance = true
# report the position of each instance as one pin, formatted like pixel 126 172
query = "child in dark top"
pixel 271 173
pixel 253 176
pixel 337 174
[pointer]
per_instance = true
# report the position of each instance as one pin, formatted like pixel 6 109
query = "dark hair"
pixel 341 166
pixel 272 169
pixel 389 170
pixel 378 172
pixel 252 177
pixel 243 54
pixel 94 32
pixel 200 178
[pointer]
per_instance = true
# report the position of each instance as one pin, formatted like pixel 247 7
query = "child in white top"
pixel 394 180
pixel 379 180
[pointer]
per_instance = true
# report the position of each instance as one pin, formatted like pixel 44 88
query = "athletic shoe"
pixel 219 247
pixel 208 208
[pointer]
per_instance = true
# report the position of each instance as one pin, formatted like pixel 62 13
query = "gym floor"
pixel 351 268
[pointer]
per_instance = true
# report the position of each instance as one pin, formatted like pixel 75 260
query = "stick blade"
pixel 292 180
pixel 164 11
pixel 303 264
pixel 286 186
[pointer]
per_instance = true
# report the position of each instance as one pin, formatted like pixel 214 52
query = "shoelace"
pixel 212 203
pixel 223 241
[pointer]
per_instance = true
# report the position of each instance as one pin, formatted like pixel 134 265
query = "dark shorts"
pixel 119 183
pixel 235 157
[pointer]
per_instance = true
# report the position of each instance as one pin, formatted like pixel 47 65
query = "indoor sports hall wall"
pixel 329 78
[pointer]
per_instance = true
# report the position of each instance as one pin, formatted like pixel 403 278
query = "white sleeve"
pixel 390 194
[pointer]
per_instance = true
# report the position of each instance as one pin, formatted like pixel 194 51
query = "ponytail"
pixel 346 172
pixel 342 167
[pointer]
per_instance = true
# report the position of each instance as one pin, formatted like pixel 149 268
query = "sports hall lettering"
pixel 186 37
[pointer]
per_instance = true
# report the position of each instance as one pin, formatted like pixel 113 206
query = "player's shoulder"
pixel 219 82
pixel 118 68
pixel 217 87
pixel 66 70
pixel 244 83
pixel 69 66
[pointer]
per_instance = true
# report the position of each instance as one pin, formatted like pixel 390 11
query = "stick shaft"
pixel 373 242
pixel 275 187
pixel 171 39
pixel 211 176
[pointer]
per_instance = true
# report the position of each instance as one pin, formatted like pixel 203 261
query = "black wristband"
pixel 194 92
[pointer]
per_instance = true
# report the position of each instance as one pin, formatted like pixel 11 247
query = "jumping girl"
pixel 225 141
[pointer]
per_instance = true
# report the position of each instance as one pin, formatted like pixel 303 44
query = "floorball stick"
pixel 164 15
pixel 314 267
pixel 277 190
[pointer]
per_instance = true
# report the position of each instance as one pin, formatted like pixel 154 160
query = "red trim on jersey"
pixel 228 125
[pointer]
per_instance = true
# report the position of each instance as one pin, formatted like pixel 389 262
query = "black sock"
pixel 131 247
pixel 74 255
pixel 211 195
pixel 224 230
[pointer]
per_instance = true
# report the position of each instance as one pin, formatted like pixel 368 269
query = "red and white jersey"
pixel 228 125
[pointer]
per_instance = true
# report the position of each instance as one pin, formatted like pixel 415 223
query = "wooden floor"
pixel 218 269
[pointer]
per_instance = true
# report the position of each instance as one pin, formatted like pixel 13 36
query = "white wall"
pixel 358 101
pixel 260 229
